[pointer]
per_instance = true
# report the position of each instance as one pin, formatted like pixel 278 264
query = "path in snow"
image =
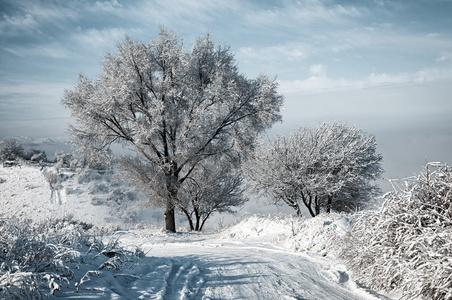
pixel 185 268
pixel 237 270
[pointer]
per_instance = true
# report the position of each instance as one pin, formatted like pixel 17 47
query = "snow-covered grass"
pixel 406 245
pixel 38 259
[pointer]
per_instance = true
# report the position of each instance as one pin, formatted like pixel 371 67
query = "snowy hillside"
pixel 262 257
pixel 26 192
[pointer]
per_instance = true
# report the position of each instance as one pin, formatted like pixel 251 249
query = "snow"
pixel 25 192
pixel 262 257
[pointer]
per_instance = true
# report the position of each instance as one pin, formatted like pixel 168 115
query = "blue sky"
pixel 385 66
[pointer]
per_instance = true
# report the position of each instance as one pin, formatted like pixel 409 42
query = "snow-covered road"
pixel 213 269
pixel 188 268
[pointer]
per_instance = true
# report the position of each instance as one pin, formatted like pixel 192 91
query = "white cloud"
pixel 186 13
pixel 341 47
pixel 27 86
pixel 288 52
pixel 317 70
pixel 319 82
pixel 446 56
pixel 308 12
pixel 50 11
pixel 384 78
pixel 12 24
pixel 99 40
pixel 106 6
pixel 434 35
pixel 53 50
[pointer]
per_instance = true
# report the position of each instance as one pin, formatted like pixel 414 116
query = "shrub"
pixel 407 244
pixel 11 149
pixel 35 155
pixel 86 175
pixel 38 259
pixel 31 255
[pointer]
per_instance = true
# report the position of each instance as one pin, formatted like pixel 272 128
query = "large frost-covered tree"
pixel 175 107
pixel 330 166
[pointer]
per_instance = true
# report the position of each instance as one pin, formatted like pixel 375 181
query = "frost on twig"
pixel 44 258
pixel 407 244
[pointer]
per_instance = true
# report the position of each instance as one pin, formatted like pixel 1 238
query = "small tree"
pixel 216 186
pixel 327 167
pixel 11 149
pixel 174 107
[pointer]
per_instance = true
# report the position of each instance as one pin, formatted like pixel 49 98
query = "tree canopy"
pixel 330 166
pixel 174 106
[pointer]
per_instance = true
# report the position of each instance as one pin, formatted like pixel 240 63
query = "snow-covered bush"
pixel 38 259
pixel 32 255
pixel 125 202
pixel 86 175
pixel 53 178
pixel 108 188
pixel 98 187
pixel 35 155
pixel 11 149
pixel 406 245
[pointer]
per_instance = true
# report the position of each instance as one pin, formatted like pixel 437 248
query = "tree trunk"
pixel 196 211
pixel 298 211
pixel 197 228
pixel 189 218
pixel 329 203
pixel 202 223
pixel 317 205
pixel 307 203
pixel 170 219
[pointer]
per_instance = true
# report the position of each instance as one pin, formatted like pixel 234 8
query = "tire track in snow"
pixel 182 281
pixel 255 271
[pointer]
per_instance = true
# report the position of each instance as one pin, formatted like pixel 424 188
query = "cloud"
pixel 291 14
pixel 99 39
pixel 320 82
pixel 317 70
pixel 288 52
pixel 30 98
pixel 106 6
pixel 51 11
pixel 53 50
pixel 445 57
pixel 30 16
pixel 10 25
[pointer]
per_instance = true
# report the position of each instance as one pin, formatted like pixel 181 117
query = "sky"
pixel 384 66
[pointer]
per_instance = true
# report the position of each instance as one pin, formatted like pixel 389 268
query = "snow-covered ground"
pixel 261 257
